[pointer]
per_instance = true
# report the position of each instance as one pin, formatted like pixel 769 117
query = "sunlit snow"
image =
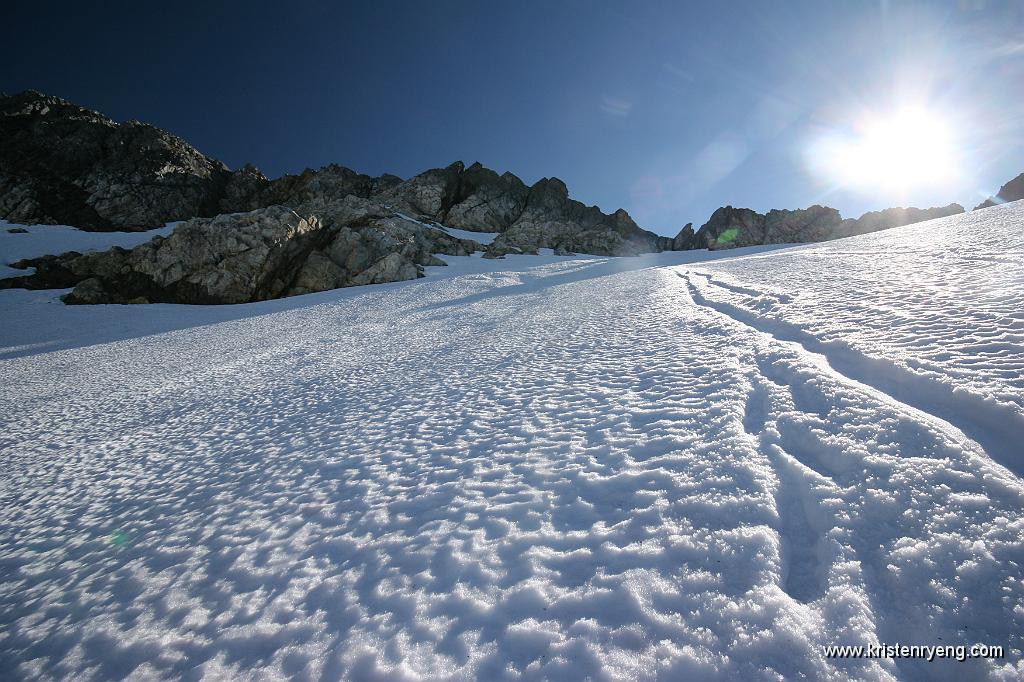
pixel 682 466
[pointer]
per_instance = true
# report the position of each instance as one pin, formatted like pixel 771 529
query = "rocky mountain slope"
pixel 252 256
pixel 63 164
pixel 249 238
pixel 1011 191
pixel 731 227
pixel 476 199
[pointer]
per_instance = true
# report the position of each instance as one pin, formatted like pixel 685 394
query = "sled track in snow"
pixel 995 429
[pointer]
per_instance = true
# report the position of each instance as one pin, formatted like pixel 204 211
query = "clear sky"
pixel 667 109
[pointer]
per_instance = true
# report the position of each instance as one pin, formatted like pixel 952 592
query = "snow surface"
pixel 41 240
pixel 480 237
pixel 681 466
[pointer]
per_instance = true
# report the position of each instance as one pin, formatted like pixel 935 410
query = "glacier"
pixel 685 465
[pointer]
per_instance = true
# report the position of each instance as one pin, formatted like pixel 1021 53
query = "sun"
pixel 898 151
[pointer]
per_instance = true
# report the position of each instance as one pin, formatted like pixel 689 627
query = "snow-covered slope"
pixel 664 467
pixel 40 240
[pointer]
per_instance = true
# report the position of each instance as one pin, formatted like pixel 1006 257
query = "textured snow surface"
pixel 671 467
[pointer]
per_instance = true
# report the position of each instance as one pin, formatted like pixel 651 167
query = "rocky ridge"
pixel 63 164
pixel 731 227
pixel 258 255
pixel 1011 191
pixel 248 238
pixel 476 199
pixel 251 238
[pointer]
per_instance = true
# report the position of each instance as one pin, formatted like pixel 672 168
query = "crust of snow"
pixel 678 466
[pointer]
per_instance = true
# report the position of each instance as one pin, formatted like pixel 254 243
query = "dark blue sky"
pixel 666 109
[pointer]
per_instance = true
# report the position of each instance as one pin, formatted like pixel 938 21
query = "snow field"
pixel 40 240
pixel 638 468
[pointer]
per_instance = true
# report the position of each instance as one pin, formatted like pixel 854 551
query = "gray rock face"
pixel 731 227
pixel 487 202
pixel 685 240
pixel 478 200
pixel 813 224
pixel 550 219
pixel 241 257
pixel 233 258
pixel 61 163
pixel 429 194
pixel 243 189
pixel 1011 191
pixel 320 188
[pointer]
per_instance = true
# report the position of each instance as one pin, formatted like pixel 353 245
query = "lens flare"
pixel 907 149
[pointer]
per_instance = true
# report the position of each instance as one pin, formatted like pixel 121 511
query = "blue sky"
pixel 668 110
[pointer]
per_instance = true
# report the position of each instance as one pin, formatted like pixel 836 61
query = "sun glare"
pixel 900 151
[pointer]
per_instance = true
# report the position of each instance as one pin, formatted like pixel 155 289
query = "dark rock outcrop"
pixel 258 255
pixel 486 201
pixel 731 227
pixel 475 199
pixel 251 238
pixel 63 164
pixel 1011 191
pixel 429 195
pixel 813 224
pixel 314 189
pixel 549 219
pixel 685 240
pixel 244 190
